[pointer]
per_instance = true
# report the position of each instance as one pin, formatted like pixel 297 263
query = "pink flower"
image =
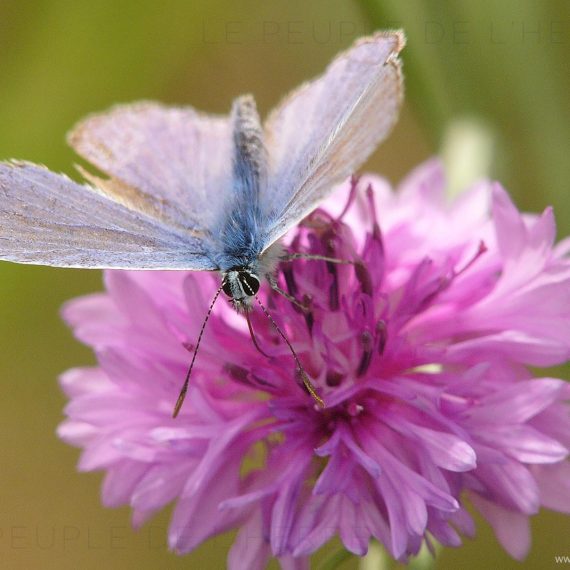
pixel 420 351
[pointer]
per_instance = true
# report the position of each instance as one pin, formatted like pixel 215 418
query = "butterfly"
pixel 191 191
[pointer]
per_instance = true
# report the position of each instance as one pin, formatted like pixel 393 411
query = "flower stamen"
pixel 367 342
pixel 382 336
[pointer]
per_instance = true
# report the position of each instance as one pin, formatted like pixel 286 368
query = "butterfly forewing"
pixel 326 129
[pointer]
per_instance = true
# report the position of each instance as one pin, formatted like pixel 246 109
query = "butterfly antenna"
pixel 182 394
pixel 308 384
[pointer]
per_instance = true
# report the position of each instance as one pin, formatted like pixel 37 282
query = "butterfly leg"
pixel 273 283
pixel 313 257
pixel 359 267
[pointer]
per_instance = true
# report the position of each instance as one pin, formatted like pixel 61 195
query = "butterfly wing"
pixel 171 163
pixel 326 129
pixel 48 219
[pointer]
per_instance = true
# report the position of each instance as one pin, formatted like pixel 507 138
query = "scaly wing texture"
pixel 326 129
pixel 174 164
pixel 48 219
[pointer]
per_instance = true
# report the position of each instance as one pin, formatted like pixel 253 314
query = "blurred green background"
pixel 504 63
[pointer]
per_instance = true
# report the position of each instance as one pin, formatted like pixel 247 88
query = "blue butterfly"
pixel 191 191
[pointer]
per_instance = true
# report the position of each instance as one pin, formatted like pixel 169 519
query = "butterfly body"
pixel 240 236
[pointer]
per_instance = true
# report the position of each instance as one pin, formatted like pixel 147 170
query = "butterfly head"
pixel 240 285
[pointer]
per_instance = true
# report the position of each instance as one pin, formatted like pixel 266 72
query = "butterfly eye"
pixel 249 282
pixel 226 288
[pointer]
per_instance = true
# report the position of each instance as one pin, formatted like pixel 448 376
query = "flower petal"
pixel 518 402
pixel 524 443
pixel 511 528
pixel 250 550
